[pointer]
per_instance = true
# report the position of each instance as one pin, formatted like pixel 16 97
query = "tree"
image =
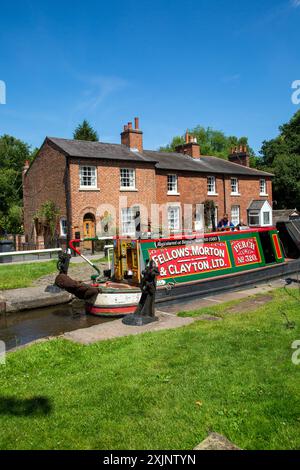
pixel 281 156
pixel 48 216
pixel 212 142
pixel 13 154
pixel 84 131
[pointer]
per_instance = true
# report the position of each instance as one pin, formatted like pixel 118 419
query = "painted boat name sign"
pixel 191 259
pixel 245 251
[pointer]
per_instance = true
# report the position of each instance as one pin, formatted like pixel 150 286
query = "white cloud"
pixel 97 89
pixel 295 3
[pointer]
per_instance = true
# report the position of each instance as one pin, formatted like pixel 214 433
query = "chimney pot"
pixel 132 138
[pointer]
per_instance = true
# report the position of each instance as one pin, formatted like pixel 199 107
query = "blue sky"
pixel 175 64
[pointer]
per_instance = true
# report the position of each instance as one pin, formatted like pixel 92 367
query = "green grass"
pixel 22 275
pixel 162 390
pixel 217 310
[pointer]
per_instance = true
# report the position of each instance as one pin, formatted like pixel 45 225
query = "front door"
pixel 88 232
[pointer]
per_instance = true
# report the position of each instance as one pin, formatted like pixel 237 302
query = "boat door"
pixel 88 230
pixel 267 247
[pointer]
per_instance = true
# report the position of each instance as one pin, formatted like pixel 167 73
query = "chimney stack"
pixel 190 147
pixel 25 168
pixel 132 138
pixel 240 155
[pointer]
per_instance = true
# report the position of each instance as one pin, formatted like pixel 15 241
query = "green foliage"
pixel 212 142
pixel 13 154
pixel 48 215
pixel 209 213
pixel 281 156
pixel 84 131
pixel 13 220
pixel 159 390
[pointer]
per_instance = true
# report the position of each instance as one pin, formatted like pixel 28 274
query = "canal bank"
pixel 70 321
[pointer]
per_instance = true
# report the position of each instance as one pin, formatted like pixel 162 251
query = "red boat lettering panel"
pixel 245 251
pixel 191 259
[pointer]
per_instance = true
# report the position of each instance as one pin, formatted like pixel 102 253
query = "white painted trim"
pixel 30 252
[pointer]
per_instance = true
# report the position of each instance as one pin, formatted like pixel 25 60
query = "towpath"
pixel 167 315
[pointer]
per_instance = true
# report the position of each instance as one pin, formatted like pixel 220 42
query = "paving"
pixel 27 298
pixel 116 328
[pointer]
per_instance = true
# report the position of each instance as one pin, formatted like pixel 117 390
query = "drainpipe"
pixel 68 200
pixel 224 195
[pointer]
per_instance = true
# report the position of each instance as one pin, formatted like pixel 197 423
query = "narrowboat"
pixel 188 265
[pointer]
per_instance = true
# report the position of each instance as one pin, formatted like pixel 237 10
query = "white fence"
pixel 33 254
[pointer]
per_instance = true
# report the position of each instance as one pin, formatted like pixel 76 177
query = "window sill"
pixel 235 194
pixel 212 194
pixel 263 194
pixel 172 193
pixel 128 189
pixel 82 188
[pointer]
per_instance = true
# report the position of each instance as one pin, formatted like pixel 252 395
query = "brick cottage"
pixel 98 186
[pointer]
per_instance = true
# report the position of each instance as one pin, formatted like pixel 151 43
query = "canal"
pixel 17 329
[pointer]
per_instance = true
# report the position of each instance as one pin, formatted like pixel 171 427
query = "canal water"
pixel 17 329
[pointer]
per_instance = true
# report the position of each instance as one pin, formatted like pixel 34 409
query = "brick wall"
pixel 45 180
pixel 108 192
pixel 42 182
pixel 192 189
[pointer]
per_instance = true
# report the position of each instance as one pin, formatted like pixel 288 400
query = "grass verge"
pixel 22 275
pixel 162 390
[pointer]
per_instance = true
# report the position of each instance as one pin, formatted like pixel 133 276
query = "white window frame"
pixel 254 213
pixel 175 225
pixel 234 183
pixel 127 174
pixel 211 186
pixel 172 184
pixel 235 218
pixel 266 224
pixel 128 227
pixel 63 227
pixel 83 173
pixel 263 187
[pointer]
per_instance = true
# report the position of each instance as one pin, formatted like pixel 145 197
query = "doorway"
pixel 89 225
